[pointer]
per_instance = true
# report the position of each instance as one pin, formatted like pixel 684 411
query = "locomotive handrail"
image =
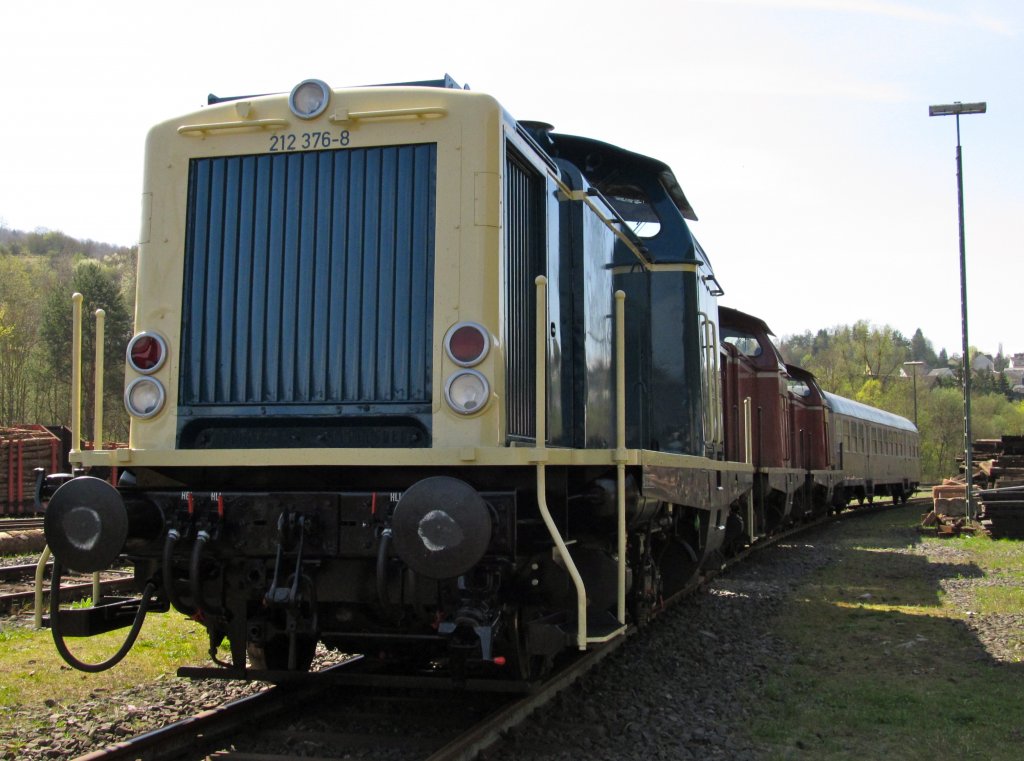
pixel 44 557
pixel 748 435
pixel 540 456
pixel 585 196
pixel 619 456
pixel 620 447
pixel 434 112
pixel 192 129
pixel 713 404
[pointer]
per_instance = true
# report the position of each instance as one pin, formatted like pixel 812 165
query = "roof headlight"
pixel 309 99
pixel 144 397
pixel 467 392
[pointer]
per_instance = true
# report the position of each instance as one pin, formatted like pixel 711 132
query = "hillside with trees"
pixel 38 273
pixel 881 367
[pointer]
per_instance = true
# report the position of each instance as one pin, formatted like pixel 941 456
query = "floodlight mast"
pixel 956 109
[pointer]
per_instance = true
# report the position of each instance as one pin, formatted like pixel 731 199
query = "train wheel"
pixel 735 534
pixel 520 663
pixel 273 655
pixel 679 564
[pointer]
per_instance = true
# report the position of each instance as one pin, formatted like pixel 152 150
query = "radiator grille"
pixel 309 278
pixel 524 250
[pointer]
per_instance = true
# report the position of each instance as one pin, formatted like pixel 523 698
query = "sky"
pixel 798 129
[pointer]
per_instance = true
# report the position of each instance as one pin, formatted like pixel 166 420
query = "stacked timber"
pixel 1003 503
pixel 22 450
pixel 950 498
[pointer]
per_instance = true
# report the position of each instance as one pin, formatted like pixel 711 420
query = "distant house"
pixel 983 363
pixel 938 374
pixel 1017 361
pixel 921 370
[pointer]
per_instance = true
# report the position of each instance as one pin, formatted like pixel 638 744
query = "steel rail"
pixel 468 745
pixel 67 593
pixel 208 726
pixel 21 524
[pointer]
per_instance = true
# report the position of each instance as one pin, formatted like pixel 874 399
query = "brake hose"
pixel 382 569
pixel 58 636
pixel 169 583
pixel 195 579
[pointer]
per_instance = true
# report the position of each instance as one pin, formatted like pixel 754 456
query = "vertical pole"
pixel 915 396
pixel 76 372
pixel 966 362
pixel 97 435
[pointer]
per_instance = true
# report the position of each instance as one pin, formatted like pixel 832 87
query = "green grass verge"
pixel 32 672
pixel 884 666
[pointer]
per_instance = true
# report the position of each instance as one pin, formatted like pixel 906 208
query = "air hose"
pixel 382 569
pixel 194 576
pixel 58 635
pixel 168 568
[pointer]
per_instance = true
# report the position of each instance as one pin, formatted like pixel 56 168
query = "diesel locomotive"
pixel 415 379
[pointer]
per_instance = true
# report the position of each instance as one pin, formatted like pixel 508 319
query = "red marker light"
pixel 467 343
pixel 499 661
pixel 146 352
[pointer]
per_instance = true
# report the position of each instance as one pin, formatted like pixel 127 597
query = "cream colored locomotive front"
pixel 470 132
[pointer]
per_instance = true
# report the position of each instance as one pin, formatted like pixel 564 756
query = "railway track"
pixel 349 711
pixel 323 717
pixel 21 524
pixel 17 585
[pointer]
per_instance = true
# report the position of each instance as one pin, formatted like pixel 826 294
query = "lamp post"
pixel 955 109
pixel 914 364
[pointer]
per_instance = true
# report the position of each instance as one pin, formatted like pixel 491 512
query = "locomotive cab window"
pixel 798 387
pixel 747 343
pixel 632 204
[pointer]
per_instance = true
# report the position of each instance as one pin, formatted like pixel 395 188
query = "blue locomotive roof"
pixel 850 408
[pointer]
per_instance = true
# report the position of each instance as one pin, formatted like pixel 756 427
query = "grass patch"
pixel 999 600
pixel 883 665
pixel 31 671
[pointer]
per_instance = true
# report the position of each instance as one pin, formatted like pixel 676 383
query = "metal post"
pixel 76 372
pixel 968 454
pixel 914 364
pixel 955 109
pixel 97 431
